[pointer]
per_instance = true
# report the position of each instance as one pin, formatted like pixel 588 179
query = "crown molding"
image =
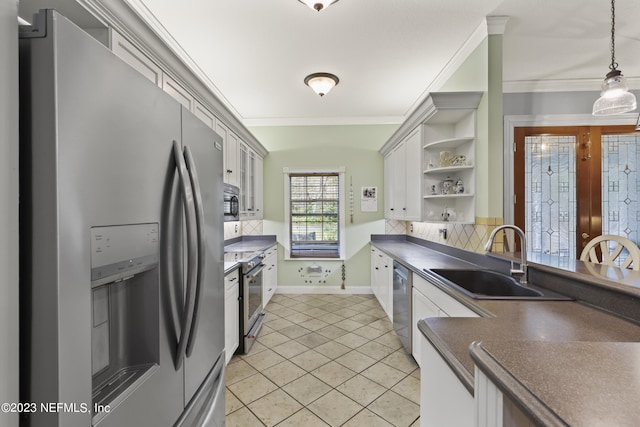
pixel 139 26
pixel 496 25
pixel 323 121
pixel 569 85
pixel 461 55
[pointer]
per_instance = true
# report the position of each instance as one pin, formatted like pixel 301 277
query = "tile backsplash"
pixel 235 229
pixel 471 237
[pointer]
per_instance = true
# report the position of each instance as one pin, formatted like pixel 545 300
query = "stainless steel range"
pixel 251 314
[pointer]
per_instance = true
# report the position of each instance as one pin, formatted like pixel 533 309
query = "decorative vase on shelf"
pixel 446 186
pixel 458 188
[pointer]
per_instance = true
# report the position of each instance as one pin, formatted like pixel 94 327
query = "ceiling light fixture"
pixel 318 4
pixel 321 83
pixel 615 97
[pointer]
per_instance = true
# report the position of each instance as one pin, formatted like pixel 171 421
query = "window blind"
pixel 315 222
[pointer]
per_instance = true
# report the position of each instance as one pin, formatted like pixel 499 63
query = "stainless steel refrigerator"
pixel 121 234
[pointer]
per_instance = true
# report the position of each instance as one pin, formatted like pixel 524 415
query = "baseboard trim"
pixel 323 290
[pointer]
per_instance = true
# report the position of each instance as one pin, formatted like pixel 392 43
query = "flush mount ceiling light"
pixel 615 97
pixel 321 83
pixel 318 4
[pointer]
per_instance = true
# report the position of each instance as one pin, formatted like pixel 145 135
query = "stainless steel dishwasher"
pixel 402 304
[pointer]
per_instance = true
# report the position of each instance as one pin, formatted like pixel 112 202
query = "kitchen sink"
pixel 485 284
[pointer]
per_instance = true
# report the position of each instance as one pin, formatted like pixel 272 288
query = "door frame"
pixel 537 120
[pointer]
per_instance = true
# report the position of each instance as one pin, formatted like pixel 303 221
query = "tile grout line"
pixel 315 308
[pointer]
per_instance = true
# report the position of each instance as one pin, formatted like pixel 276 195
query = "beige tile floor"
pixel 324 360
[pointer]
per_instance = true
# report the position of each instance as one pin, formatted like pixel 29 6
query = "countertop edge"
pixel 449 357
pixel 453 293
pixel 526 401
pixel 231 269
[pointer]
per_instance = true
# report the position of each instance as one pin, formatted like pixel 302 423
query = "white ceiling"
pixel 387 53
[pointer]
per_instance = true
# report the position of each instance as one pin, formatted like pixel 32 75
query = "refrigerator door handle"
pixel 200 237
pixel 188 202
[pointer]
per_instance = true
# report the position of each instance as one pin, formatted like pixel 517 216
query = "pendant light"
pixel 321 83
pixel 615 97
pixel 318 4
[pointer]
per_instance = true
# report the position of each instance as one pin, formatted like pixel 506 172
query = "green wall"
pixel 356 149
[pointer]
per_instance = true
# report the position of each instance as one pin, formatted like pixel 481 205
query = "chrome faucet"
pixel 522 271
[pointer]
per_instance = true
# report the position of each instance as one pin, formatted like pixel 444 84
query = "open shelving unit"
pixel 450 133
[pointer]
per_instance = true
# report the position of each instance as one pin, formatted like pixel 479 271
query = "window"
pixel 314 210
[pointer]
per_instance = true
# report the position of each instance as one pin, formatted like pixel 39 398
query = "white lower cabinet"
pixel 429 301
pixel 421 308
pixel 382 280
pixel 231 313
pixel 444 401
pixel 270 274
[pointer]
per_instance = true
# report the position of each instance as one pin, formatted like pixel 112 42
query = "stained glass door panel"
pixel 550 194
pixel 621 185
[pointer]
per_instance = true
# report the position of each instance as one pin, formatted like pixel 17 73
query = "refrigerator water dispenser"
pixel 125 316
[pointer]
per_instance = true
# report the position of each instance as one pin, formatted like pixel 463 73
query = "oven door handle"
pixel 254 273
pixel 201 244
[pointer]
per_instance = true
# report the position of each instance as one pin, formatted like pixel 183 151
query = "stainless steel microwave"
pixel 231 203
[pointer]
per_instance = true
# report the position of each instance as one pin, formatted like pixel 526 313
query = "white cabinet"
pixel 449 159
pixel 403 178
pixel 429 301
pixel 201 112
pixel 134 57
pixel 231 313
pixel 177 92
pixel 421 308
pixel 259 188
pixel 250 183
pixel 230 159
pixel 382 280
pixel 444 400
pixel 270 274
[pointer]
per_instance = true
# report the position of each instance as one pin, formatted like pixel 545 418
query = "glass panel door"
pixel 575 183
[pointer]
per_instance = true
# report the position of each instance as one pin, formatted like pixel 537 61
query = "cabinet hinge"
pixel 515 199
pixel 515 147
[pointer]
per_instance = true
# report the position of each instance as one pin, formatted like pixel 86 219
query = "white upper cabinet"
pixel 241 168
pixel 201 112
pixel 250 179
pixel 178 93
pixel 231 166
pixel 403 179
pixel 429 166
pixel 132 56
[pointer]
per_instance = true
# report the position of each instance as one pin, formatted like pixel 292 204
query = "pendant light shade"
pixel 317 4
pixel 321 83
pixel 615 97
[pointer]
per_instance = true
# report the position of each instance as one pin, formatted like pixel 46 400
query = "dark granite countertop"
pixel 567 383
pixel 245 244
pixel 511 330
